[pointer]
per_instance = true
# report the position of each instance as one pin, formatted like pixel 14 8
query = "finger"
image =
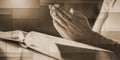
pixel 58 19
pixel 63 15
pixel 74 12
pixel 82 19
pixel 50 7
pixel 85 20
pixel 55 23
pixel 59 6
pixel 80 15
pixel 62 31
pixel 56 5
pixel 68 14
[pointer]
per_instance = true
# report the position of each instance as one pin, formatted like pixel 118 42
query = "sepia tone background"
pixel 33 15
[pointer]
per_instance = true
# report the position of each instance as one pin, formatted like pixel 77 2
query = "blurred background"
pixel 33 15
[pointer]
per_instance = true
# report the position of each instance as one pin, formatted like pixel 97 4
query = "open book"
pixel 17 35
pixel 49 45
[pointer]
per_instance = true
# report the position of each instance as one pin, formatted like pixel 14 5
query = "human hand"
pixel 71 25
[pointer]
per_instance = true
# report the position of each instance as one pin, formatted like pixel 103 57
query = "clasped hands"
pixel 71 24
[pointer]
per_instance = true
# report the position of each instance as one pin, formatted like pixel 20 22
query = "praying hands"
pixel 71 24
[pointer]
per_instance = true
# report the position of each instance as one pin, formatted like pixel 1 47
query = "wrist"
pixel 99 39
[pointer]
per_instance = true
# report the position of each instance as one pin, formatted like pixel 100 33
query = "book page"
pixel 43 45
pixel 51 45
pixel 17 35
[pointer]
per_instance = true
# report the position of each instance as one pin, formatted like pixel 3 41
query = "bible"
pixel 49 45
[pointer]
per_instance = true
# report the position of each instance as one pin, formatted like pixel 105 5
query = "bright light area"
pixel 19 3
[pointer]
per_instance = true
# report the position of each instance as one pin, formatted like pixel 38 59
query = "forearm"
pixel 105 43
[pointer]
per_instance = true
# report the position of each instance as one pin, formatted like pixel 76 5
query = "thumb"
pixel 71 10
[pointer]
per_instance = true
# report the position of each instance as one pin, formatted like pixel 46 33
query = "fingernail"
pixel 59 6
pixel 50 6
pixel 53 8
pixel 54 13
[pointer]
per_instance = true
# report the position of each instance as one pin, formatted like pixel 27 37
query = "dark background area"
pixel 33 15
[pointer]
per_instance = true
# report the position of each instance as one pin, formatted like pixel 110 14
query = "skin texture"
pixel 71 24
pixel 74 26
